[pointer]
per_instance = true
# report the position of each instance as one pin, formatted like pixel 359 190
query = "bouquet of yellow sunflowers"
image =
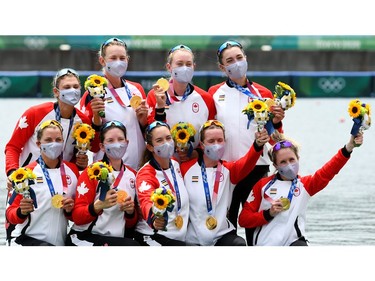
pixel 163 200
pixel 83 134
pixel 361 114
pixel 284 95
pixel 101 172
pixel 183 135
pixel 21 180
pixel 96 84
pixel 258 110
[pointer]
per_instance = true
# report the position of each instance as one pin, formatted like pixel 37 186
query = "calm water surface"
pixel 342 214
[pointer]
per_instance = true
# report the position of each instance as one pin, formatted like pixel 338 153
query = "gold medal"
pixel 135 101
pixel 163 83
pixel 57 201
pixel 270 103
pixel 285 202
pixel 179 221
pixel 121 196
pixel 211 222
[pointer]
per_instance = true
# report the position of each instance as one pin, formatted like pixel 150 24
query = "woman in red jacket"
pixel 277 204
pixel 104 213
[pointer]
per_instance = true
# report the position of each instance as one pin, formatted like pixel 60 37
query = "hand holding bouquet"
pixel 96 84
pixel 163 200
pixel 21 180
pixel 257 109
pixel 361 114
pixel 83 134
pixel 102 172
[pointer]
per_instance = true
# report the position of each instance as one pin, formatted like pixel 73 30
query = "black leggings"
pixel 241 193
pixel 99 240
pixel 156 240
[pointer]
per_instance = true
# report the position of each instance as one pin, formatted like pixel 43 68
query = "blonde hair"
pixel 112 42
pixel 279 138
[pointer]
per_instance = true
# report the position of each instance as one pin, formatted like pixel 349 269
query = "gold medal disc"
pixel 135 101
pixel 163 83
pixel 57 201
pixel 179 221
pixel 270 103
pixel 285 202
pixel 211 222
pixel 121 196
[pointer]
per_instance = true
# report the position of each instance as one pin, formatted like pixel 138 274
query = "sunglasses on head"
pixel 110 40
pixel 47 123
pixel 179 47
pixel 63 72
pixel 282 144
pixel 154 124
pixel 113 123
pixel 226 45
pixel 212 122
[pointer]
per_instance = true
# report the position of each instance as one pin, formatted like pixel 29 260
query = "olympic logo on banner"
pixel 332 84
pixel 36 43
pixel 5 84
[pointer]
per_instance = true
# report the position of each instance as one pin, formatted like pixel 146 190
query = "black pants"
pixel 26 240
pixel 160 240
pixel 231 239
pixel 99 240
pixel 241 193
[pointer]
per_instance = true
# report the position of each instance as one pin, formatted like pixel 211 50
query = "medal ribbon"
pixel 117 97
pixel 210 203
pixel 171 97
pixel 46 175
pixel 175 189
pixel 118 178
pixel 58 118
pixel 291 189
pixel 243 90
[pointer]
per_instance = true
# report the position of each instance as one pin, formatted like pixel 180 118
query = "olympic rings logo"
pixel 5 84
pixel 36 43
pixel 332 84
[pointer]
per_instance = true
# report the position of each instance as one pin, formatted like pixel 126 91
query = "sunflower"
pixel 83 133
pixel 182 136
pixel 355 108
pixel 160 201
pixel 99 171
pixel 22 174
pixel 94 81
pixel 162 198
pixel 258 106
pixel 182 132
pixel 19 175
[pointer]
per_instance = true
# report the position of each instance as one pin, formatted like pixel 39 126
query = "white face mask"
pixel 116 68
pixel 116 150
pixel 289 171
pixel 70 96
pixel 52 149
pixel 214 151
pixel 237 70
pixel 166 150
pixel 183 74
